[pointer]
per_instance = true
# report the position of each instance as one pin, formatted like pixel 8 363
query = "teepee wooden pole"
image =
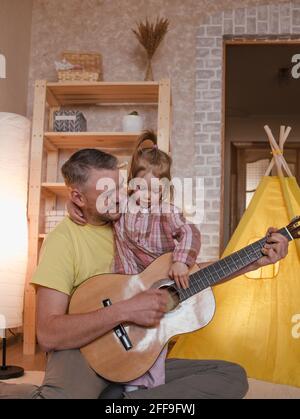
pixel 277 152
pixel 272 162
pixel 283 137
pixel 278 163
pixel 273 145
pixel 286 134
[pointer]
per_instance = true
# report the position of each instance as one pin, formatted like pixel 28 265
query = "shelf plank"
pixel 118 142
pixel 58 189
pixel 91 93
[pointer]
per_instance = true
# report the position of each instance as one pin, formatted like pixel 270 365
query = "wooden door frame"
pixel 257 151
pixel 229 40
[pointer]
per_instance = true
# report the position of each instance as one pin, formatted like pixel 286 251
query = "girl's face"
pixel 149 190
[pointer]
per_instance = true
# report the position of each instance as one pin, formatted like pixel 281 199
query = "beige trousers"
pixel 68 376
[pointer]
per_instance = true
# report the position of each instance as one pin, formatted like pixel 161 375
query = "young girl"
pixel 154 229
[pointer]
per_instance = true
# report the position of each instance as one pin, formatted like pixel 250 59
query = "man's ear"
pixel 77 198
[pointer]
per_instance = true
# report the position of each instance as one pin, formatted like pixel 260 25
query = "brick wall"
pixel 260 20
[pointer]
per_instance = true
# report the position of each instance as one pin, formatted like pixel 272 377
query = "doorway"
pixel 260 88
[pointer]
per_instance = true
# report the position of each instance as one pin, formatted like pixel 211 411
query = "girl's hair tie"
pixel 155 147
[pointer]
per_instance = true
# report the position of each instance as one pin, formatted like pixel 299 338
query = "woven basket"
pixel 90 67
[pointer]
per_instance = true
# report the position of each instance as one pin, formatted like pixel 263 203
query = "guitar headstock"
pixel 294 228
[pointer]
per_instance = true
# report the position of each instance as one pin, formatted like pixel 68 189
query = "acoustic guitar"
pixel 128 351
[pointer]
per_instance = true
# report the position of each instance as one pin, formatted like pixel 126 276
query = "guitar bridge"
pixel 119 330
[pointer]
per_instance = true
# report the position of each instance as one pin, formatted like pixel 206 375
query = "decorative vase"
pixel 132 123
pixel 149 71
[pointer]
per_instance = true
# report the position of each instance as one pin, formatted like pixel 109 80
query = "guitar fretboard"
pixel 224 268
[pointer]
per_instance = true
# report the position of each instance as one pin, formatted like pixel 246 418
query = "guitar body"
pixel 106 355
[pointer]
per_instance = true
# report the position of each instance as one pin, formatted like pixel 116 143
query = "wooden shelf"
pixel 119 142
pixel 45 156
pixel 89 93
pixel 58 189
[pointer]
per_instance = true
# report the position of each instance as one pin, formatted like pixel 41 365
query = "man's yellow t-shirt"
pixel 71 254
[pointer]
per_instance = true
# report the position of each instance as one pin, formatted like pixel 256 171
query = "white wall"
pixel 15 33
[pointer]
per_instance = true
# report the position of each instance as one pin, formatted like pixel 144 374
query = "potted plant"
pixel 132 122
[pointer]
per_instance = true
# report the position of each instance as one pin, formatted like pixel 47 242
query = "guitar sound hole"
pixel 173 300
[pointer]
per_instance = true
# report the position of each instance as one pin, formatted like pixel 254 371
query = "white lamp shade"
pixel 14 149
pixel 2 326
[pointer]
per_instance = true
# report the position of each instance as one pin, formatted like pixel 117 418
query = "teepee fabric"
pixel 253 324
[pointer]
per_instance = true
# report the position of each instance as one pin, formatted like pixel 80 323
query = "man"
pixel 73 253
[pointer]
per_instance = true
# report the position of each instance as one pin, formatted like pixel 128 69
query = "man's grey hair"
pixel 76 170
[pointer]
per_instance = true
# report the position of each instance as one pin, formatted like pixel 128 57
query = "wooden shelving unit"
pixel 46 146
pixel 72 93
pixel 119 142
pixel 57 189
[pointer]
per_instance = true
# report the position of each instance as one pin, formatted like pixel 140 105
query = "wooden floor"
pixel 37 362
pixel 15 356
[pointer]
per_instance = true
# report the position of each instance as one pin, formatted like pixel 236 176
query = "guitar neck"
pixel 226 267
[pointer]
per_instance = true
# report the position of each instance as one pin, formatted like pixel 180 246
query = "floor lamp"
pixel 7 371
pixel 14 146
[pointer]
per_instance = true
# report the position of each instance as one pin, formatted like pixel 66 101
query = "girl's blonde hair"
pixel 147 157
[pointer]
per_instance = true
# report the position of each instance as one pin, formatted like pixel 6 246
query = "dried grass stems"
pixel 150 35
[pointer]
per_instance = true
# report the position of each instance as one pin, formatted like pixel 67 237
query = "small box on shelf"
pixel 69 121
pixel 82 66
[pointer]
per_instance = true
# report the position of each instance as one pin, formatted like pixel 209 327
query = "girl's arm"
pixel 188 239
pixel 187 247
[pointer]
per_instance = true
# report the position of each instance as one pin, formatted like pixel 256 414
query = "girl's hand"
pixel 179 272
pixel 75 213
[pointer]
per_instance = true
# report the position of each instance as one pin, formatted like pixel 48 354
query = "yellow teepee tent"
pixel 253 323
